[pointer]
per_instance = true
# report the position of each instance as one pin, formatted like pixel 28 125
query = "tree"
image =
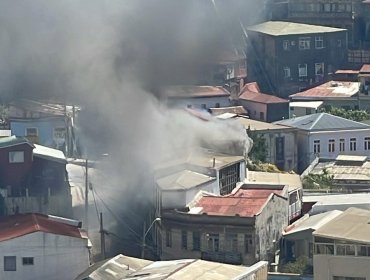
pixel 318 181
pixel 259 149
pixel 355 115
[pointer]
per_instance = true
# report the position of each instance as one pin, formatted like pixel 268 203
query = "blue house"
pixel 46 131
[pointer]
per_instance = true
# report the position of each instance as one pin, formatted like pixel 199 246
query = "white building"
pixel 36 246
pixel 327 136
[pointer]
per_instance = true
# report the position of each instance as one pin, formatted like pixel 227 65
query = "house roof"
pixel 113 269
pixel 248 93
pixel 352 225
pixel 243 203
pixel 322 122
pixel 190 269
pixel 283 28
pixel 338 199
pixel 292 181
pixel 14 141
pixel 211 159
pixel 347 71
pixel 332 89
pixel 183 180
pixel 195 91
pixel 22 224
pixel 313 222
pixel 239 110
pixel 259 125
pixel 365 69
pixel 49 154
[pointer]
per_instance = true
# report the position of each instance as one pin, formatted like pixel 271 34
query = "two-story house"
pixel 327 136
pixel 240 228
pixel 287 57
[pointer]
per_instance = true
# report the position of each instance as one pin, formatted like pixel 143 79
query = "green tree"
pixel 259 148
pixel 318 181
pixel 355 115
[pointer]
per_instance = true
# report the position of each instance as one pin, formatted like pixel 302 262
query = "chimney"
pixel 214 162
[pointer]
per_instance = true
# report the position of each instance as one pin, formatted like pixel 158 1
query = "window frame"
pixel 300 75
pixel 196 241
pixel 319 42
pixel 13 259
pixel 168 238
pixel 184 239
pixel 304 43
pixel 353 144
pixel 342 145
pixel 287 73
pixel 11 158
pixel 31 135
pixel 316 146
pixel 331 145
pixel 28 261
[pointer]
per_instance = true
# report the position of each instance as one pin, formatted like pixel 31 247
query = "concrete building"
pixel 303 108
pixel 281 142
pixel 36 246
pixel 261 106
pixel 342 247
pixel 241 228
pixel 287 57
pixel 196 97
pixel 327 136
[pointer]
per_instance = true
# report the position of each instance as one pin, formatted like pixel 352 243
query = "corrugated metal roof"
pixel 195 91
pixel 293 181
pixel 322 121
pixel 259 125
pixel 49 154
pixel 365 69
pixel 352 225
pixel 22 224
pixel 332 89
pixel 306 104
pixel 183 180
pixel 282 28
pixel 259 97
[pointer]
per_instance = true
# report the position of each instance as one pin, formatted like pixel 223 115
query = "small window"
pixel 16 157
pixel 316 146
pixel 339 43
pixel 217 105
pixel 27 261
pixel 59 133
pixel 189 106
pixel 262 116
pixel 31 131
pixel 204 106
pixel 304 43
pixel 342 145
pixel 184 239
pixel 331 147
pixel 319 69
pixel 248 243
pixel 319 42
pixel 286 72
pixel 367 143
pixel 286 45
pixel 10 263
pixel 196 241
pixel 168 238
pixel 302 70
pixel 352 144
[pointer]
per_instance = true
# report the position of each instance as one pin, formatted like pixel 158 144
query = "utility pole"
pixel 102 237
pixel 143 244
pixel 86 196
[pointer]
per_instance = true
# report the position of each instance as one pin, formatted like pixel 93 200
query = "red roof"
pixel 195 91
pixel 245 203
pixel 251 92
pixel 330 89
pixel 365 68
pixel 22 224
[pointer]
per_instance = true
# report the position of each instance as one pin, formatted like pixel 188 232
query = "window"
pixel 339 43
pixel 304 43
pixel 213 240
pixel 184 239
pixel 319 69
pixel 59 133
pixel 196 241
pixel 189 106
pixel 352 144
pixel 331 147
pixel 319 42
pixel 367 143
pixel 10 263
pixel 302 70
pixel 286 72
pixel 232 242
pixel 316 146
pixel 217 105
pixel 342 144
pixel 27 261
pixel 262 116
pixel 248 243
pixel 31 131
pixel 168 238
pixel 286 45
pixel 204 106
pixel 324 249
pixel 16 157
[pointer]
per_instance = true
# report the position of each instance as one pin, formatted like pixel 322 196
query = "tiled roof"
pixel 322 121
pixel 195 91
pixel 281 28
pixel 365 68
pixel 251 92
pixel 329 90
pixel 244 203
pixel 13 141
pixel 22 224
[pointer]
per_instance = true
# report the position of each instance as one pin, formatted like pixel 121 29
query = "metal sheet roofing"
pixel 365 69
pixel 259 125
pixel 306 104
pixel 292 181
pixel 251 92
pixel 13 141
pixel 329 90
pixel 183 180
pixel 352 225
pixel 22 224
pixel 282 28
pixel 322 121
pixel 49 154
pixel 195 91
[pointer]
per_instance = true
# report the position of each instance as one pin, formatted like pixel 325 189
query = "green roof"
pixel 282 28
pixel 322 121
pixel 13 141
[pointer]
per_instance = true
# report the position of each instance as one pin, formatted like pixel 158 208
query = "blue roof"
pixel 322 121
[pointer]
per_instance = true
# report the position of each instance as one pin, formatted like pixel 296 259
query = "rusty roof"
pixel 329 90
pixel 251 92
pixel 365 69
pixel 244 203
pixel 195 91
pixel 22 224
